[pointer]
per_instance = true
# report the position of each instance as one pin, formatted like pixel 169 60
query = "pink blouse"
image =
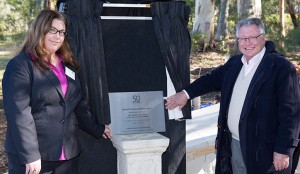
pixel 60 74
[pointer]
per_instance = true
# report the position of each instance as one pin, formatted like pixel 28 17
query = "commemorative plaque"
pixel 137 112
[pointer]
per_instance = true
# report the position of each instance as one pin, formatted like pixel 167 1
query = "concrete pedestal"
pixel 140 153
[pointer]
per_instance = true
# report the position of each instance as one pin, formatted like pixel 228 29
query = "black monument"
pixel 125 56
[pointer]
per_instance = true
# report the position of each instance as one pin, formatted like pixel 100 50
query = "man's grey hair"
pixel 248 22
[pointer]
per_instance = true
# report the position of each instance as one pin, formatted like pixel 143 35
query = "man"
pixel 259 116
pixel 297 150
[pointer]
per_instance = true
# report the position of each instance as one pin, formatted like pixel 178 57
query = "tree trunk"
pixel 246 9
pixel 249 8
pixel 222 29
pixel 281 18
pixel 257 8
pixel 51 4
pixel 40 4
pixel 44 4
pixel 204 20
pixel 292 13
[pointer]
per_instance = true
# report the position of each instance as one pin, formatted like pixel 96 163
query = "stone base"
pixel 140 153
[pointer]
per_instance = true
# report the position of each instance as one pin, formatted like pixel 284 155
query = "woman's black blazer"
pixel 40 120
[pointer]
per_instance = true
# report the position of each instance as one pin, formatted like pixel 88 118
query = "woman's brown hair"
pixel 34 42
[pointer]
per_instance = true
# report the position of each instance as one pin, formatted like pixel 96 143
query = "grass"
pixel 6 53
pixel 4 58
pixel 3 62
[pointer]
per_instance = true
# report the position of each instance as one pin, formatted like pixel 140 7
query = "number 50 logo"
pixel 136 99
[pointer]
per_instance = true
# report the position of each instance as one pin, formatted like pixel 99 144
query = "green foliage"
pixel 270 7
pixel 273 31
pixel 232 18
pixel 292 41
pixel 16 17
pixel 272 24
pixel 197 42
pixel 217 3
pixel 191 4
pixel 3 62
pixel 14 37
pixel 222 46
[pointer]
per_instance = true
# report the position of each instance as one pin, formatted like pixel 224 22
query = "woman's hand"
pixel 107 132
pixel 33 167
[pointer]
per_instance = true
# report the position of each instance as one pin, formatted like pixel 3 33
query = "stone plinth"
pixel 201 133
pixel 140 153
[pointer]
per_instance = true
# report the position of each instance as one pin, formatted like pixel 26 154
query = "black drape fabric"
pixel 85 34
pixel 170 21
pixel 132 57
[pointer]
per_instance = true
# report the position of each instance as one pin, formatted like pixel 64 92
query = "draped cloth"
pixel 85 36
pixel 91 47
pixel 86 42
pixel 170 23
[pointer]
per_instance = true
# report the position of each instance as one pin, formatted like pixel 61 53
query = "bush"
pixel 197 42
pixel 272 27
pixel 2 37
pixel 12 38
pixel 19 37
pixel 292 41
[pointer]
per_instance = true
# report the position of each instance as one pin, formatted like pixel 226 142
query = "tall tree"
pixel 246 9
pixel 51 4
pixel 40 4
pixel 43 4
pixel 222 29
pixel 204 20
pixel 21 14
pixel 281 18
pixel 292 13
pixel 249 8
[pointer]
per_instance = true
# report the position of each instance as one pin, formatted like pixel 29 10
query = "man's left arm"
pixel 288 96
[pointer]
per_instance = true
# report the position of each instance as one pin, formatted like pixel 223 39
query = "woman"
pixel 43 102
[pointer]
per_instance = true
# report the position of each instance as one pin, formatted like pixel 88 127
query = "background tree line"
pixel 17 15
pixel 212 22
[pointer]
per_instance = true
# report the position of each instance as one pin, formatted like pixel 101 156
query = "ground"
pixel 201 64
pixel 3 160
